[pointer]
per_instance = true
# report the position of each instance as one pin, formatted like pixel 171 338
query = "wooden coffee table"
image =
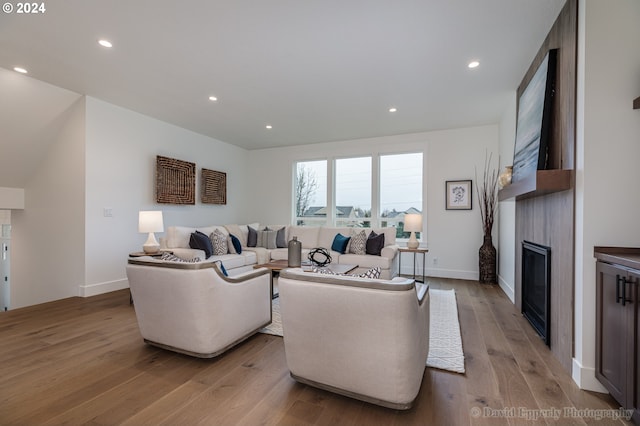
pixel 278 265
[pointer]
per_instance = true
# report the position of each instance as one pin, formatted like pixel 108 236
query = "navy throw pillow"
pixel 200 241
pixel 236 243
pixel 224 271
pixel 375 244
pixel 340 243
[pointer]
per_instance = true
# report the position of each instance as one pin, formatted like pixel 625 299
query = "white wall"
pixel 507 208
pixel 607 171
pixel 11 198
pixel 120 174
pixel 454 237
pixel 48 235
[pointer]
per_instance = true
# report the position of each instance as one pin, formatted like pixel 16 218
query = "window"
pixel 353 192
pixel 310 193
pixel 400 189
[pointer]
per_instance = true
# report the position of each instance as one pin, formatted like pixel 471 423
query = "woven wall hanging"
pixel 175 181
pixel 213 187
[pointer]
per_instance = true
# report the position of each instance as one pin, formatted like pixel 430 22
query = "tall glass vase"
pixel 487 261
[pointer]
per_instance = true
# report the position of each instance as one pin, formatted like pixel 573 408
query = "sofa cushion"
pixel 235 243
pixel 252 237
pixel 389 234
pixel 365 260
pixel 307 235
pixel 340 243
pixel 267 238
pixel 219 242
pixel 201 241
pixel 281 238
pixel 231 261
pixel 328 233
pixel 373 273
pixel 173 258
pixel 375 243
pixel 358 242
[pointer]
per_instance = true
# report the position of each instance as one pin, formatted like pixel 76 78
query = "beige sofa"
pixel 363 338
pixel 193 308
pixel 177 240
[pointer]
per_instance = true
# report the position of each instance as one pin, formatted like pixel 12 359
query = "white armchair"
pixel 192 308
pixel 363 338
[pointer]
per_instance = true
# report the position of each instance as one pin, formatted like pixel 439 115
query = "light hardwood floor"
pixel 82 361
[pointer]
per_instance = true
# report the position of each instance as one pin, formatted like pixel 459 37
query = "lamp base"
pixel 151 246
pixel 413 243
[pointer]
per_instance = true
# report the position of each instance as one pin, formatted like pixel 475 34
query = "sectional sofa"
pixel 272 242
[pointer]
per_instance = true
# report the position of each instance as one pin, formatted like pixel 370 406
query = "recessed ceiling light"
pixel 473 64
pixel 269 126
pixel 393 109
pixel 105 43
pixel 20 70
pixel 213 98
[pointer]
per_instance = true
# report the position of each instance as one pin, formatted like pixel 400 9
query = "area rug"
pixel 445 342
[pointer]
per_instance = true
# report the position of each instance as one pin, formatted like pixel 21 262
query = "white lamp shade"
pixel 413 222
pixel 150 221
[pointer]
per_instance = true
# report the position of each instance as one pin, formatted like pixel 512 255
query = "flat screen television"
pixel 533 129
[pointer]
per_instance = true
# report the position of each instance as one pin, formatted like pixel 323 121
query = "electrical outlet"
pixel 107 212
pixel 435 260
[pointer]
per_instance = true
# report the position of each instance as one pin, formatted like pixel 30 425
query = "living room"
pixel 103 157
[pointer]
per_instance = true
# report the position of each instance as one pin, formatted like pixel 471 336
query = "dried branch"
pixel 488 195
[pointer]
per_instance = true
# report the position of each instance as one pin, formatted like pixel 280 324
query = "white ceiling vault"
pixel 315 70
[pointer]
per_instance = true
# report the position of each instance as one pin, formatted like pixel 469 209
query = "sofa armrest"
pixel 389 251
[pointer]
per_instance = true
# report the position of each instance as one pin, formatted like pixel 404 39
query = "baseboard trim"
pixel 451 273
pixel 101 288
pixel 585 378
pixel 507 289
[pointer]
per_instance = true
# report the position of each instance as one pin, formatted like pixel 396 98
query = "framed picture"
pixel 459 195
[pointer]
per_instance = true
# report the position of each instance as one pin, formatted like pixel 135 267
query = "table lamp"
pixel 150 221
pixel 413 224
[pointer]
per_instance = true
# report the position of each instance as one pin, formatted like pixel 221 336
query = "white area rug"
pixel 445 342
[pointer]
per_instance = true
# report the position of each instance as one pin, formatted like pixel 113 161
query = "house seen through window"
pixel 352 192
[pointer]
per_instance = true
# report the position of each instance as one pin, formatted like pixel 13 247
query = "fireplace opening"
pixel 536 281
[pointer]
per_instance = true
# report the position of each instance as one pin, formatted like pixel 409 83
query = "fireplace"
pixel 536 281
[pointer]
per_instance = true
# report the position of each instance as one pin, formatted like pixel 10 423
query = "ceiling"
pixel 316 71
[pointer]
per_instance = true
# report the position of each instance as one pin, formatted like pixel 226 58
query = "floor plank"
pixel 82 361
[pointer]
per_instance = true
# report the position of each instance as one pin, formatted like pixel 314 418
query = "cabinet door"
pixel 634 280
pixel 614 323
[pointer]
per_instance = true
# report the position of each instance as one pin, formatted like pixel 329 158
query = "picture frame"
pixel 459 194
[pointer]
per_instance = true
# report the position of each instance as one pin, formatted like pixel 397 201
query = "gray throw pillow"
pixel 358 243
pixel 281 239
pixel 267 238
pixel 252 238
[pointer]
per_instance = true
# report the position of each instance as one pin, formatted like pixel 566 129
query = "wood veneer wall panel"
pixel 549 219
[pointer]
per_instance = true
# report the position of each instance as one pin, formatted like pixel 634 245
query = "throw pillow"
pixel 200 241
pixel 281 239
pixel 223 269
pixel 235 241
pixel 267 238
pixel 359 243
pixel 173 258
pixel 371 273
pixel 252 238
pixel 375 243
pixel 230 246
pixel 340 243
pixel 219 243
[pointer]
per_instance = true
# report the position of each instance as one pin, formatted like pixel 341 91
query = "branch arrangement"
pixel 488 195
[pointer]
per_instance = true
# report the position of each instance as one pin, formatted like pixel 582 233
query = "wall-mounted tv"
pixel 533 129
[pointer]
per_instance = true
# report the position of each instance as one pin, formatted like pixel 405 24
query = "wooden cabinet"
pixel 618 324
